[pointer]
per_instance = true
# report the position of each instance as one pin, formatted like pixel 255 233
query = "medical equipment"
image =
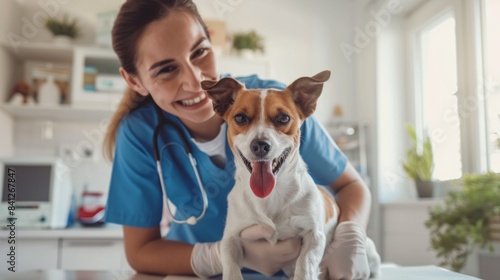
pixel 40 188
pixel 162 121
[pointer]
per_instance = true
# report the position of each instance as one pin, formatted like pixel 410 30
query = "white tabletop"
pixel 388 273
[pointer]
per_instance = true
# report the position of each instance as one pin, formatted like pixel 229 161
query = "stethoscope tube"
pixel 161 122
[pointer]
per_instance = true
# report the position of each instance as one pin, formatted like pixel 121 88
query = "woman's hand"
pixel 351 255
pixel 258 254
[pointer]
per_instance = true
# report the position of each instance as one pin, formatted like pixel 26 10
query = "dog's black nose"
pixel 260 147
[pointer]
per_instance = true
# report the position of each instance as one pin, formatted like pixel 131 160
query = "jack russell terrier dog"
pixel 273 187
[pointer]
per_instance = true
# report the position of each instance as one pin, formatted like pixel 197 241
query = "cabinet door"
pixel 93 254
pixel 406 239
pixel 30 254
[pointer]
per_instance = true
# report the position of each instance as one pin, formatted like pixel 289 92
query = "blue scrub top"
pixel 135 198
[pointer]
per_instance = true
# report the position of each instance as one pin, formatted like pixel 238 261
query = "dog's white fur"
pixel 295 207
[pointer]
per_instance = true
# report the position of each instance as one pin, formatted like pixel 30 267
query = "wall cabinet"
pixel 80 249
pixel 30 254
pixel 80 105
pixel 95 77
pixel 406 240
pixel 100 254
pixel 351 139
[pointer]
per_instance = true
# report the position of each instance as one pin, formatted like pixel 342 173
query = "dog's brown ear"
pixel 306 91
pixel 222 93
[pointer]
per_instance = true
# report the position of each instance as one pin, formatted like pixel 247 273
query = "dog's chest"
pixel 289 219
pixel 295 225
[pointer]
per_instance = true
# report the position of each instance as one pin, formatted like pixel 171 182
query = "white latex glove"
pixel 258 254
pixel 206 260
pixel 347 258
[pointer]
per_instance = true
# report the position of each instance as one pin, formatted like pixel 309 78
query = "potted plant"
pixel 419 164
pixel 468 219
pixel 246 43
pixel 64 30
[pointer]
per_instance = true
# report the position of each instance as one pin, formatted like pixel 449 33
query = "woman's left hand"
pixel 347 256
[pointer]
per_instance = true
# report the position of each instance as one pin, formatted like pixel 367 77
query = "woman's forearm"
pixel 164 257
pixel 353 197
pixel 147 252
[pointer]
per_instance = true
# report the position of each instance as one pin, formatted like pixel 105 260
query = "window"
pixel 455 81
pixel 438 84
pixel 491 40
pixel 433 45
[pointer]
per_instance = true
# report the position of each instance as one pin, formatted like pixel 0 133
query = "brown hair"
pixel 134 16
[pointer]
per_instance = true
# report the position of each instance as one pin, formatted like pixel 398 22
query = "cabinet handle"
pixel 90 243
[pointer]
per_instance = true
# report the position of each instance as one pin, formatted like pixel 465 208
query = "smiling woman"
pixel 174 56
pixel 165 53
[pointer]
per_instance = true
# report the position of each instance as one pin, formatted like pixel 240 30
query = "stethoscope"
pixel 162 121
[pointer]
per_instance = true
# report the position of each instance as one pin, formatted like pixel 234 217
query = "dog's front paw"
pixel 307 274
pixel 232 276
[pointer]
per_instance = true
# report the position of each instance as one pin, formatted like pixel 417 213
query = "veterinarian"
pixel 165 52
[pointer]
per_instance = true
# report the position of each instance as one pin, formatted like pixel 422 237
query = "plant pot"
pixel 62 40
pixel 247 54
pixel 425 189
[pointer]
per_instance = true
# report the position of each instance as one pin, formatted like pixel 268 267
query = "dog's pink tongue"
pixel 262 180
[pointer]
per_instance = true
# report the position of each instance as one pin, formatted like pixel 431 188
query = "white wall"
pixel 302 38
pixel 67 136
pixel 6 144
pixel 365 92
pixel 381 92
pixel 391 113
pixel 36 11
pixel 8 13
pixel 380 88
pixel 334 22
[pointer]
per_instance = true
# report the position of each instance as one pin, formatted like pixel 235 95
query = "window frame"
pixel 470 69
pixel 481 10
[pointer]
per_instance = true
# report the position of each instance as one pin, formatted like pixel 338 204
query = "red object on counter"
pixel 91 210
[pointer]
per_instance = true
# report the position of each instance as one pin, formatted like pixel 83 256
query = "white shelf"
pixel 58 113
pixel 46 52
pixel 41 52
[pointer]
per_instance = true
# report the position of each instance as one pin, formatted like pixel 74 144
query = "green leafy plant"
pixel 462 223
pixel 418 165
pixel 65 27
pixel 248 40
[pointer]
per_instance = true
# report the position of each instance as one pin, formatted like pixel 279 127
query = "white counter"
pixel 388 273
pixel 108 231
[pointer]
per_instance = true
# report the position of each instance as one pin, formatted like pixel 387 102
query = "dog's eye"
pixel 282 119
pixel 241 119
